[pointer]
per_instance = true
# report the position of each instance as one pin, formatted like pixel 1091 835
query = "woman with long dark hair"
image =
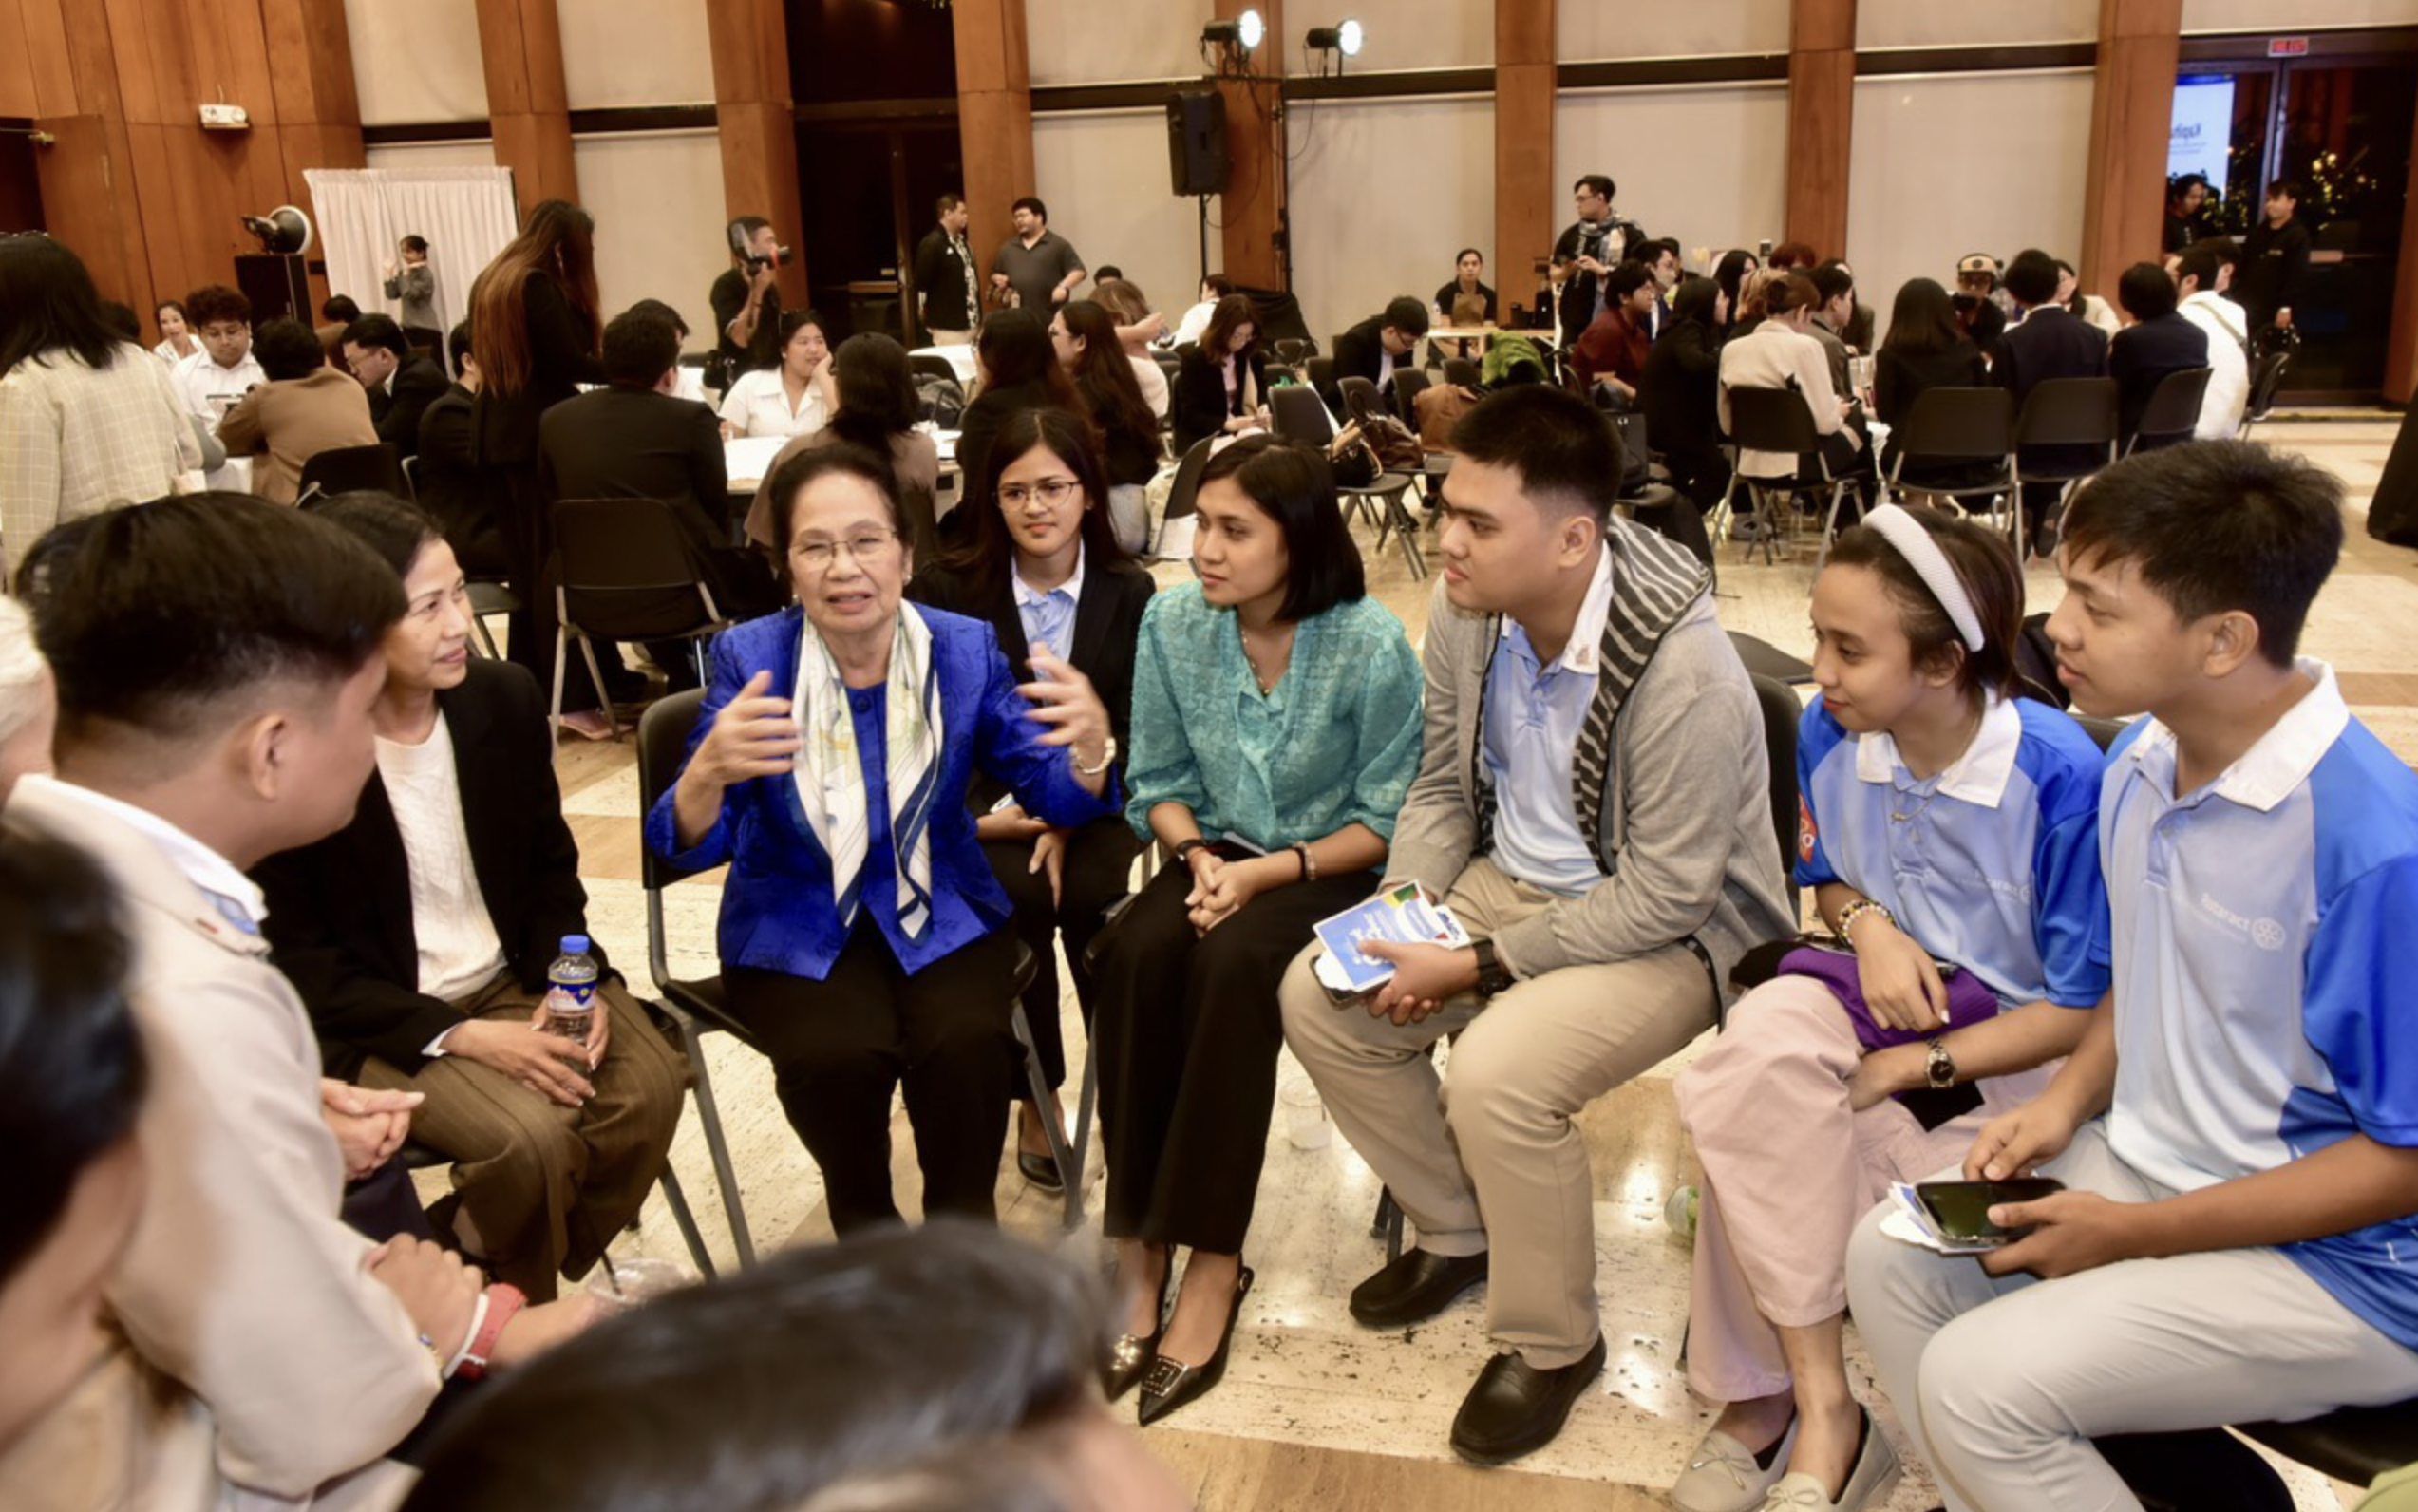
pixel 1926 348
pixel 534 332
pixel 1736 266
pixel 87 420
pixel 1221 384
pixel 1043 566
pixel 1680 396
pixel 1017 368
pixel 1085 335
pixel 877 410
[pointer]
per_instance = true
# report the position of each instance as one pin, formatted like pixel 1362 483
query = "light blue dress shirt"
pixel 1533 717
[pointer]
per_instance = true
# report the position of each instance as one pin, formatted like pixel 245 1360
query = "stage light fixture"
pixel 1344 39
pixel 1243 31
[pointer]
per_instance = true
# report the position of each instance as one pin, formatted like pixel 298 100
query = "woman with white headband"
pixel 1948 829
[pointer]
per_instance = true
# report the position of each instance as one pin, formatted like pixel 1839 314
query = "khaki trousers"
pixel 1491 1161
pixel 548 1186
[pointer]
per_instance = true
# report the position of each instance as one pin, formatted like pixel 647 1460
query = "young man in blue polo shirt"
pixel 2239 1129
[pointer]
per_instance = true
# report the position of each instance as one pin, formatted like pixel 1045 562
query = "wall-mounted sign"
pixel 2202 129
pixel 2287 47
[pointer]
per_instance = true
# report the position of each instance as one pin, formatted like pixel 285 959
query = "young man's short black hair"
pixel 1407 315
pixel 1595 183
pixel 2202 261
pixel 1032 202
pixel 946 203
pixel 1293 487
pixel 379 331
pixel 1625 280
pixel 2146 291
pixel 1832 279
pixel 741 232
pixel 664 312
pixel 1652 252
pixel 2033 276
pixel 2287 188
pixel 2214 526
pixel 458 343
pixel 1107 272
pixel 288 348
pixel 157 619
pixel 212 304
pixel 2183 184
pixel 1566 453
pixel 340 308
pixel 640 349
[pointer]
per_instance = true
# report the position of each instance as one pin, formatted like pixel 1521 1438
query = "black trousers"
pixel 841 1046
pixel 1188 1038
pixel 1097 862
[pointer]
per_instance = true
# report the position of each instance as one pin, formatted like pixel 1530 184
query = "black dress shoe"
pixel 1041 1170
pixel 1516 1408
pixel 1135 1353
pixel 1171 1383
pixel 1418 1285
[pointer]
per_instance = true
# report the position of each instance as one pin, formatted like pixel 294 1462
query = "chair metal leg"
pixel 1060 1154
pixel 553 715
pixel 595 675
pixel 733 1212
pixel 1086 1105
pixel 678 1201
pixel 486 639
pixel 1830 523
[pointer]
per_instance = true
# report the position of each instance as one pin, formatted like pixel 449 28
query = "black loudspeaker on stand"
pixel 1196 142
pixel 276 284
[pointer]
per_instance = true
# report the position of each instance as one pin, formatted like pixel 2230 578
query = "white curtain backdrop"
pixel 467 213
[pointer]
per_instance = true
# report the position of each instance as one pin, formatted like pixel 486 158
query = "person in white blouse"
pixel 176 340
pixel 1780 353
pixel 794 399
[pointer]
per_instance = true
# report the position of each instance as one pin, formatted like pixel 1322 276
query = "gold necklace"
pixel 1267 684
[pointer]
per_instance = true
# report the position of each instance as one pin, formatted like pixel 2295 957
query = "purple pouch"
pixel 1970 999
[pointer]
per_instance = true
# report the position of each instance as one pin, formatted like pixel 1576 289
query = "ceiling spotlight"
pixel 1344 39
pixel 1243 31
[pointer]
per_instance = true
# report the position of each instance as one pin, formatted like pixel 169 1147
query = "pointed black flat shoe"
pixel 1134 1353
pixel 1170 1383
pixel 1041 1170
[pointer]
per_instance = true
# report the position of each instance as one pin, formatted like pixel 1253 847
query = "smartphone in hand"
pixel 1959 1211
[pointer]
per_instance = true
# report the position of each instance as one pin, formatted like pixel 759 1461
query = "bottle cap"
pixel 575 944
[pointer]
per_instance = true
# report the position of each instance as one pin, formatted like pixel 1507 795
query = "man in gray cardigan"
pixel 1592 803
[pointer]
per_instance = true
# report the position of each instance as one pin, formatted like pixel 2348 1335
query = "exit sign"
pixel 2287 47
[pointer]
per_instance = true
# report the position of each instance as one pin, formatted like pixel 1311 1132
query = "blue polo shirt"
pixel 2263 927
pixel 1534 713
pixel 1991 863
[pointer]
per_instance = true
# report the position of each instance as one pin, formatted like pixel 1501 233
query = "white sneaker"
pixel 1869 1485
pixel 1725 1476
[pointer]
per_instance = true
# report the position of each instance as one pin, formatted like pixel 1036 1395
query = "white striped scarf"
pixel 830 776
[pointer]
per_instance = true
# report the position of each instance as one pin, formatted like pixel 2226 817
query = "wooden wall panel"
pixel 1253 208
pixel 2131 119
pixel 18 94
pixel 1821 113
pixel 749 39
pixel 1524 74
pixel 521 43
pixel 994 116
pixel 46 32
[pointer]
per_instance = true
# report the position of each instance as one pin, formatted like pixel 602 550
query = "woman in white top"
pixel 794 399
pixel 176 340
pixel 2087 307
pixel 1780 353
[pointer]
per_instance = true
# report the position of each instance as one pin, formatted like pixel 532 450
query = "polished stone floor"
pixel 1316 1412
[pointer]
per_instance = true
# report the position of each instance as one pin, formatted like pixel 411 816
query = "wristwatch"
pixel 1941 1070
pixel 1185 848
pixel 1493 976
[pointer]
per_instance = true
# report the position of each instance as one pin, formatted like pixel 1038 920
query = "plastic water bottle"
pixel 1679 1218
pixel 571 990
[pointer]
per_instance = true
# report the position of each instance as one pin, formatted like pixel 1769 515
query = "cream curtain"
pixel 467 213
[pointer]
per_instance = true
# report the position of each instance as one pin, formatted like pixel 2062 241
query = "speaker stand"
pixel 1204 240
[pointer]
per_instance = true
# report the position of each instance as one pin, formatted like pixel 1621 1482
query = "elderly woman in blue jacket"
pixel 863 937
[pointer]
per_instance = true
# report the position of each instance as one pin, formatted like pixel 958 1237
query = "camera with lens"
pixel 741 247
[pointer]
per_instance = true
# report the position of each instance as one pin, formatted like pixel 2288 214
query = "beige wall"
pixel 634 53
pixel 657 200
pixel 1729 189
pixel 2295 15
pixel 418 62
pixel 1104 174
pixel 1383 195
pixel 1969 24
pixel 1593 30
pixel 1114 41
pixel 1403 35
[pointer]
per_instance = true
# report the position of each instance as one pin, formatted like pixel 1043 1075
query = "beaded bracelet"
pixel 1857 910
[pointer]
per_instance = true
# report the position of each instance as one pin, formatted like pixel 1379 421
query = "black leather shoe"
pixel 1134 1353
pixel 1419 1285
pixel 1041 1170
pixel 1516 1408
pixel 1171 1383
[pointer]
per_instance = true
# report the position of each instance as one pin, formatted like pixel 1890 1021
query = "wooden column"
pixel 1524 143
pixel 2401 344
pixel 520 47
pixel 758 124
pixel 2132 110
pixel 994 118
pixel 1822 114
pixel 1252 209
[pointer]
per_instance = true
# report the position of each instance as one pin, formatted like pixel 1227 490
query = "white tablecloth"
pixel 960 358
pixel 748 459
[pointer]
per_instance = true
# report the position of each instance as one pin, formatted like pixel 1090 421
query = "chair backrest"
pixel 2100 729
pixel 411 479
pixel 623 571
pixel 1637 458
pixel 343 470
pixel 924 365
pixel 1299 414
pixel 1293 349
pixel 1464 372
pixel 1321 370
pixel 1773 420
pixel 1408 384
pixel 1955 423
pixel 1360 397
pixel 663 740
pixel 2063 412
pixel 2264 380
pixel 1781 711
pixel 1184 492
pixel 2172 410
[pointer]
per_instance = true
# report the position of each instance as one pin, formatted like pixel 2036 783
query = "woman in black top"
pixel 1926 349
pixel 1017 369
pixel 1466 266
pixel 1085 336
pixel 1680 395
pixel 1737 265
pixel 1221 384
pixel 1028 545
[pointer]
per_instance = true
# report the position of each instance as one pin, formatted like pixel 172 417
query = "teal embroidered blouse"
pixel 1336 743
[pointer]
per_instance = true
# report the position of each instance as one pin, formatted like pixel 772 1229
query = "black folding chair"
pixel 1966 426
pixel 377 467
pixel 2173 411
pixel 924 365
pixel 1360 396
pixel 1463 372
pixel 2074 412
pixel 1183 494
pixel 1299 415
pixel 2266 379
pixel 1293 350
pixel 621 571
pixel 1408 384
pixel 1777 420
pixel 1319 370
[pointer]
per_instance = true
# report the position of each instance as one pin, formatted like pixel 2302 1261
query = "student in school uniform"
pixel 2237 1132
pixel 1941 818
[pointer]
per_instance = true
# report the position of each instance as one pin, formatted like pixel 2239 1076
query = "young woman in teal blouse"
pixel 1276 729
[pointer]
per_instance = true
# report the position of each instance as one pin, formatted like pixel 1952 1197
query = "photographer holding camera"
pixel 747 302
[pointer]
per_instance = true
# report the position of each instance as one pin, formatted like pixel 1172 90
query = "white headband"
pixel 1930 563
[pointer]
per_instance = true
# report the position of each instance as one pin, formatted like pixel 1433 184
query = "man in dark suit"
pixel 632 440
pixel 446 476
pixel 401 383
pixel 2158 344
pixel 1373 349
pixel 2046 341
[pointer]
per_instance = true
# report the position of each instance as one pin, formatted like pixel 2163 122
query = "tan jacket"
pixel 293 420
pixel 240 1280
pixel 1775 355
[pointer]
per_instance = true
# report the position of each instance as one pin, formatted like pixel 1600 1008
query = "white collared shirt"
pixel 759 406
pixel 1047 619
pixel 1979 776
pixel 238 896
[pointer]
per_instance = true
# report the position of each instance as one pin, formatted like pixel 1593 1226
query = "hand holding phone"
pixel 1959 1211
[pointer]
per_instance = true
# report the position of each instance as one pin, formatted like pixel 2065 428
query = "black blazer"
pixel 2140 358
pixel 340 919
pixel 1360 352
pixel 1197 402
pixel 448 485
pixel 1680 390
pixel 636 444
pixel 1108 630
pixel 2052 342
pixel 396 410
pixel 561 357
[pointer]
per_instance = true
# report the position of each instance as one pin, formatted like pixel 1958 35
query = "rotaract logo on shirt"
pixel 1806 833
